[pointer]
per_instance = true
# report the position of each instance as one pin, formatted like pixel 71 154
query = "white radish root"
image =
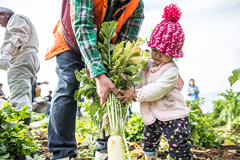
pixel 116 148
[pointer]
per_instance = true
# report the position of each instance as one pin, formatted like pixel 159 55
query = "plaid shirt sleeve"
pixel 86 35
pixel 86 32
pixel 131 28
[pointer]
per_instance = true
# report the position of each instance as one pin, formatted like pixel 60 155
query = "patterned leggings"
pixel 177 133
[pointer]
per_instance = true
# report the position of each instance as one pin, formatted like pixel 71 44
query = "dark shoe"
pixel 27 121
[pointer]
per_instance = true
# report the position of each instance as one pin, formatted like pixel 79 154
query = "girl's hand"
pixel 128 95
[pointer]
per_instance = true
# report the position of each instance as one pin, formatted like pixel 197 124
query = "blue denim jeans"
pixel 62 120
pixel 48 109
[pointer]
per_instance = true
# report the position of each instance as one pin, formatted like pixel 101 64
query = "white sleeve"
pixel 157 90
pixel 19 29
pixel 5 42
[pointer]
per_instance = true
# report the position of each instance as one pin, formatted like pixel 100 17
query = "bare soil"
pixel 222 153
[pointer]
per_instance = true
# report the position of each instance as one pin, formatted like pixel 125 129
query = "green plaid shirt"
pixel 86 32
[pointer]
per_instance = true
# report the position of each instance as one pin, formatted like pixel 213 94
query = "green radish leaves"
pixel 106 33
pixel 15 138
pixel 122 62
pixel 236 76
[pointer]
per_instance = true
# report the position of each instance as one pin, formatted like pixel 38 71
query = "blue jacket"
pixel 193 95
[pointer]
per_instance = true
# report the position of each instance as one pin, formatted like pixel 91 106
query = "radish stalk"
pixel 117 120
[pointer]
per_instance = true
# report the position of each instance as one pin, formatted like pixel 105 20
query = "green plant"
pixel 88 148
pixel 93 110
pixel 196 103
pixel 216 157
pixel 236 76
pixel 232 136
pixel 87 134
pixel 188 102
pixel 15 138
pixel 202 131
pixel 230 110
pixel 134 129
pixel 36 157
pixel 84 127
pixel 37 116
pixel 218 107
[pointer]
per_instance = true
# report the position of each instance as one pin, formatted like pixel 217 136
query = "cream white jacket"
pixel 20 37
pixel 160 93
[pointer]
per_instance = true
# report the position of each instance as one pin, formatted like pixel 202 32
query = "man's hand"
pixel 104 87
pixel 4 61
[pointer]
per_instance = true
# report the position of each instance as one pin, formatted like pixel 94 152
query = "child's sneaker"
pixel 150 155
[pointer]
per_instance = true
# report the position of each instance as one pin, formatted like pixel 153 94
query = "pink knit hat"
pixel 168 36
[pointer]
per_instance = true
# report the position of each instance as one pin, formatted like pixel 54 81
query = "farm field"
pixel 211 31
pixel 223 152
pixel 214 136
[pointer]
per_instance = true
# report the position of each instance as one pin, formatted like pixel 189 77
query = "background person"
pixel 34 86
pixel 83 36
pixel 19 57
pixel 49 97
pixel 193 90
pixel 2 95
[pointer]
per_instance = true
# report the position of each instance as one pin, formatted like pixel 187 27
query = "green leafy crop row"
pixel 202 132
pixel 15 138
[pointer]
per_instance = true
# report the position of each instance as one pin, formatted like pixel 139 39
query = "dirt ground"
pixel 223 153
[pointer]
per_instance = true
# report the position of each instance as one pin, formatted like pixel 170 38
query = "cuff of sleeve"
pixel 9 50
pixel 96 68
pixel 141 95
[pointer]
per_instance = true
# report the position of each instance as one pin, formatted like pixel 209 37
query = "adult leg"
pixel 62 121
pixel 21 76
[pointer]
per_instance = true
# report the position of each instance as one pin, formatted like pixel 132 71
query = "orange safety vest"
pixel 58 44
pixel 99 11
pixel 121 15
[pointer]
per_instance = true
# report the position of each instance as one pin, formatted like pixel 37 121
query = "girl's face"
pixel 191 83
pixel 159 58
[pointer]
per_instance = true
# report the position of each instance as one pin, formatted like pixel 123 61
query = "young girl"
pixel 163 107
